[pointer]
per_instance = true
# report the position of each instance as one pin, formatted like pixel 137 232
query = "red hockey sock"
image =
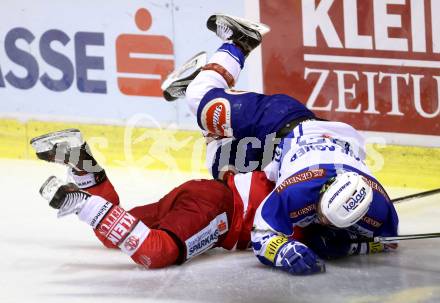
pixel 96 184
pixel 106 191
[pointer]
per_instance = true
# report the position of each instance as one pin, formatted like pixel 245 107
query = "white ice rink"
pixel 45 259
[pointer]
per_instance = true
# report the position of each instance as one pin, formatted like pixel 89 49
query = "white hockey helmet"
pixel 346 200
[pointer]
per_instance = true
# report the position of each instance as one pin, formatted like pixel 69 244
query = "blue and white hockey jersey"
pixel 249 116
pixel 312 154
pixel 241 114
pixel 224 112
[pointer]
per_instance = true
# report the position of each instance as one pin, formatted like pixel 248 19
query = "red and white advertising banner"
pixel 372 63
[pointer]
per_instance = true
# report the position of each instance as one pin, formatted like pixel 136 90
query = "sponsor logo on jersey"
pixel 85 183
pixel 207 237
pixel 222 226
pixel 303 211
pixel 376 186
pixel 116 225
pixel 131 243
pixel 372 222
pixel 216 117
pixel 134 238
pixel 101 213
pixel 207 240
pixel 273 246
pixel 354 201
pixel 301 177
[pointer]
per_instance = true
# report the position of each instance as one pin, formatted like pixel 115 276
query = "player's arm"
pixel 271 245
pixel 333 243
pixel 330 242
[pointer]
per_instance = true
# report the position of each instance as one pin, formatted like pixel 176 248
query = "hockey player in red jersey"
pixel 190 219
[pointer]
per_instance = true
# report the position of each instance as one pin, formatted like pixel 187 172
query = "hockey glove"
pixel 333 243
pixel 297 259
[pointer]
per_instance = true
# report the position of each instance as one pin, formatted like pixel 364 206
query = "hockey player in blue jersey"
pixel 322 182
pixel 324 186
pixel 229 115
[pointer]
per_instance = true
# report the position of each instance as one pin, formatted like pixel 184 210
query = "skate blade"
pixel 262 28
pixel 70 137
pixel 187 69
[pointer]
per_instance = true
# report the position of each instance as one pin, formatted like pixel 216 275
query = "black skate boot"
pixel 67 198
pixel 244 33
pixel 177 82
pixel 68 147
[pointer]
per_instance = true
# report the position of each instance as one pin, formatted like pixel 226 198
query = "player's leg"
pixel 240 37
pixel 197 215
pixel 68 147
pixel 199 218
pixel 112 224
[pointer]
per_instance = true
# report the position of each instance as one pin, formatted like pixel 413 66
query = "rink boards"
pixel 177 150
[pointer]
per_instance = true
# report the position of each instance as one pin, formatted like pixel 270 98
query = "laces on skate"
pixel 67 198
pixel 223 31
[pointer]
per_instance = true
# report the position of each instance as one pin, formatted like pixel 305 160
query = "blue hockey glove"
pixel 297 259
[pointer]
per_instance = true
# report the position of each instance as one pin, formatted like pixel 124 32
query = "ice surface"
pixel 45 259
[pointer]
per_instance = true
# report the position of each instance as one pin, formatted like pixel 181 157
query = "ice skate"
pixel 67 198
pixel 176 83
pixel 67 147
pixel 56 146
pixel 244 33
